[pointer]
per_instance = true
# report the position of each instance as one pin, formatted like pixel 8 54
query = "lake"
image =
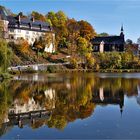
pixel 71 106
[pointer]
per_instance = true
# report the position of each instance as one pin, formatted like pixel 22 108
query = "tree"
pixel 38 45
pixel 90 60
pixel 83 47
pixel 58 21
pixel 86 30
pixel 43 41
pixel 38 16
pixel 103 34
pixel 129 42
pixel 5 55
pixel 138 41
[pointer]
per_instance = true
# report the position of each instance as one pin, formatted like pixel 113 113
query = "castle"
pixel 17 27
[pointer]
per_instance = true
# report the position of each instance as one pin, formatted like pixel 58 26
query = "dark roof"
pixel 27 22
pixel 109 40
pixel 14 22
pixel 3 13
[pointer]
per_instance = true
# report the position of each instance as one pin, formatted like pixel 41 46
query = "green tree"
pixel 103 34
pixel 58 21
pixel 38 16
pixel 5 55
pixel 84 47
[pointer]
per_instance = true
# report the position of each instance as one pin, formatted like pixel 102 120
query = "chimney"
pixel 40 26
pixel 19 18
pixel 32 19
pixel 30 25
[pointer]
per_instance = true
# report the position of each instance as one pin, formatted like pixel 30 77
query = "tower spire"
pixel 122 30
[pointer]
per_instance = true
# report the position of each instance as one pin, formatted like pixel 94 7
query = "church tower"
pixel 122 34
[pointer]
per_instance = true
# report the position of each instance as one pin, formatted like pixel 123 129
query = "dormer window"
pixel 50 27
pixel 40 25
pixel 30 25
pixel 32 19
pixel 19 17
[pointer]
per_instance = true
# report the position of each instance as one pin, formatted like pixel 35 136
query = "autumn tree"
pixel 86 30
pixel 84 47
pixel 43 41
pixel 38 16
pixel 58 21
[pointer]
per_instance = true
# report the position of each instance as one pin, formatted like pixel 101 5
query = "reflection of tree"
pixel 127 85
pixel 67 100
pixel 73 103
pixel 5 101
pixel 57 121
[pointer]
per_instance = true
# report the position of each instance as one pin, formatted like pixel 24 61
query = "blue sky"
pixel 104 15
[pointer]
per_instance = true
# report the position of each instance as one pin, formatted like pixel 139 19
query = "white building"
pixel 29 29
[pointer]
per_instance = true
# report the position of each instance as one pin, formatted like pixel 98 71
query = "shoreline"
pixel 29 70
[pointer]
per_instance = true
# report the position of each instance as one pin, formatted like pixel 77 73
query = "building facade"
pixel 109 43
pixel 16 27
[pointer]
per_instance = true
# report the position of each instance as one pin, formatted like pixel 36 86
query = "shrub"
pixel 73 63
pixel 29 70
pixel 90 62
pixel 51 69
pixel 5 55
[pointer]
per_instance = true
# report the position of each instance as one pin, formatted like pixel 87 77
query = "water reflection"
pixel 56 100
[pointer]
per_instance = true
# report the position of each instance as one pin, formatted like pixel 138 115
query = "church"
pixel 109 43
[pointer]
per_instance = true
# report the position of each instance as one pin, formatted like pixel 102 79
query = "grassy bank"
pixel 119 70
pixel 5 76
pixel 65 69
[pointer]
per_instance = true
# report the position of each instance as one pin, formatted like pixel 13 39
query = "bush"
pixel 73 63
pixel 5 55
pixel 29 70
pixel 51 69
pixel 90 62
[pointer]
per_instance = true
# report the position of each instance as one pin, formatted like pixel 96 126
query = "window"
pixel 19 31
pixel 27 32
pixel 95 48
pixel 27 37
pixel 11 37
pixel 11 30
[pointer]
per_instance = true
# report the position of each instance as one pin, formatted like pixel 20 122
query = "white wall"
pixel 30 36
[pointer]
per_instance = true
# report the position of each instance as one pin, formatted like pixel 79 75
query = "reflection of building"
pixel 31 105
pixel 109 43
pixel 101 94
pixel 105 97
pixel 138 97
pixel 28 106
pixel 50 95
pixel 33 122
pixel 27 112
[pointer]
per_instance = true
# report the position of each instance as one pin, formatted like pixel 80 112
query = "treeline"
pixel 67 30
pixel 72 37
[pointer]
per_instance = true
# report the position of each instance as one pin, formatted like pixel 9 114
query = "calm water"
pixel 70 106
